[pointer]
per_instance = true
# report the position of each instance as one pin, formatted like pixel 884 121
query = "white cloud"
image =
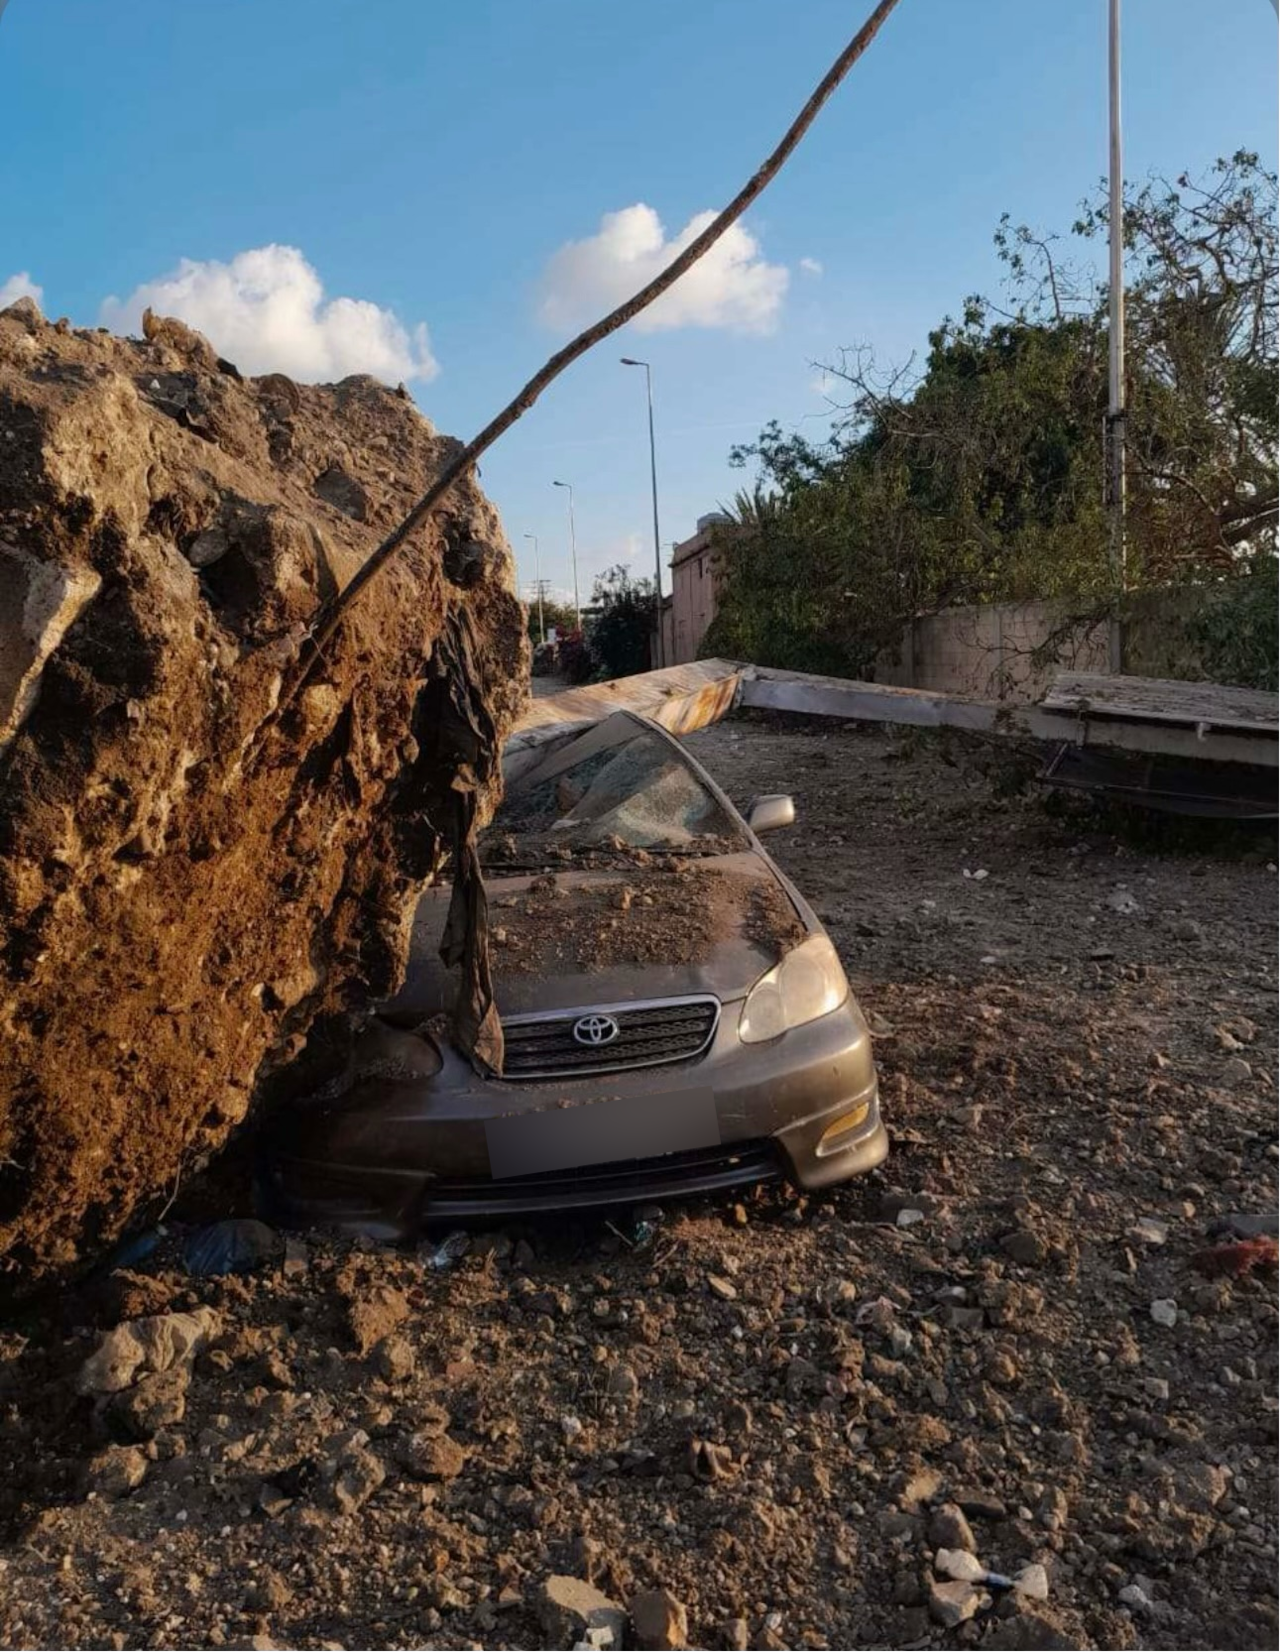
pixel 266 311
pixel 731 287
pixel 19 286
pixel 811 266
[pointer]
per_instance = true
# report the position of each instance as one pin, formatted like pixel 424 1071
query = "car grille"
pixel 649 1035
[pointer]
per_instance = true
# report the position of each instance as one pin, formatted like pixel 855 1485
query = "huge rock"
pixel 199 859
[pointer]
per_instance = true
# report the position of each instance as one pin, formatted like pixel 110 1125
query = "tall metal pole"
pixel 573 553
pixel 628 361
pixel 1115 400
pixel 537 574
pixel 1277 18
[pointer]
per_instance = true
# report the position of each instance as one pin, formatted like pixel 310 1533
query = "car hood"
pixel 611 936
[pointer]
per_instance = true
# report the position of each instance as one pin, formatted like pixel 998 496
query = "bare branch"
pixel 330 615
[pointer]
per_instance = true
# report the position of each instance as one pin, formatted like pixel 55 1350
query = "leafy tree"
pixel 621 634
pixel 978 477
pixel 557 614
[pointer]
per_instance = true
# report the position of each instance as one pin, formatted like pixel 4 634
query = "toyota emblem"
pixel 595 1030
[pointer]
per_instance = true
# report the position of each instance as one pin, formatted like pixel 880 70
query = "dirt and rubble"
pixel 572 924
pixel 1023 1348
pixel 196 862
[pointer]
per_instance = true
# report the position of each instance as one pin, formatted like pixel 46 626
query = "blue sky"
pixel 433 160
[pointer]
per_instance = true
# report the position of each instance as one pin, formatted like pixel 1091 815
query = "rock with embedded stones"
pixel 660 1621
pixel 359 1475
pixel 139 1345
pixel 948 1529
pixel 156 1402
pixel 570 1607
pixel 954 1603
pixel 225 867
pixel 117 1471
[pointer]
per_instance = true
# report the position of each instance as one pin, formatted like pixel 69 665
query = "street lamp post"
pixel 573 553
pixel 537 574
pixel 628 361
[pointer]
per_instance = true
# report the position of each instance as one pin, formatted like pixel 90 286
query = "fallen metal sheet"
pixel 1209 790
pixel 681 698
pixel 799 691
pixel 1158 700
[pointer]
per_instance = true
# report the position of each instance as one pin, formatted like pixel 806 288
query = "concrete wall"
pixel 693 590
pixel 994 652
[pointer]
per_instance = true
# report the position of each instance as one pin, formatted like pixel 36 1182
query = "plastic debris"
pixel 449 1252
pixel 234 1246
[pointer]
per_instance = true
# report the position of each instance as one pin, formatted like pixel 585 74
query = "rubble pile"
pixel 196 861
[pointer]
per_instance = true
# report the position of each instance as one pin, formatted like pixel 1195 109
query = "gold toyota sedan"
pixel 675 1018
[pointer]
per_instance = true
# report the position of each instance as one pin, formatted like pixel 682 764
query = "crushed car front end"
pixel 402 1148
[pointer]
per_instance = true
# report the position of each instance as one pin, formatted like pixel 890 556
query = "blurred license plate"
pixel 626 1127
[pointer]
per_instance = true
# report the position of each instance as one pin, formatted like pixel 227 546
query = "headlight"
pixel 809 982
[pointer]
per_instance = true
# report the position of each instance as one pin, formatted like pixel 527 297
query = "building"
pixel 693 590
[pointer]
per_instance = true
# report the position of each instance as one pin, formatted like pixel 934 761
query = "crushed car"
pixel 674 1017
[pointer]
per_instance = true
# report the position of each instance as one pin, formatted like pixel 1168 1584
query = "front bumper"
pixel 396 1156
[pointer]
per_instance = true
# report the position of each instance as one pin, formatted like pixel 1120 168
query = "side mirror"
pixel 767 813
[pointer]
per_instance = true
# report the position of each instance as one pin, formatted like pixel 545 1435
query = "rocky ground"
pixel 773 1420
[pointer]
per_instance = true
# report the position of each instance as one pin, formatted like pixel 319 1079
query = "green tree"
pixel 978 476
pixel 621 634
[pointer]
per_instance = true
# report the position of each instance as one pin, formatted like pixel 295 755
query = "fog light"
pixel 829 1141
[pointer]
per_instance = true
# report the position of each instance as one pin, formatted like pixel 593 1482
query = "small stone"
pixel 394 1359
pixel 1025 1248
pixel 296 1260
pixel 1164 1310
pixel 736 1635
pixel 374 1314
pixel 1237 1070
pixel 660 1621
pixel 1032 1581
pixel 152 1344
pixel 117 1471
pixel 1001 1368
pixel 1147 1231
pixel 359 1475
pixel 948 1529
pixel 959 1565
pixel 900 1340
pixel 981 1505
pixel 1156 1388
pixel 570 1426
pixel 725 1289
pixel 951 1604
pixel 1136 1599
pixel 433 1456
pixel 1053 1509
pixel 908 1216
pixel 156 1402
pixel 1187 929
pixel 569 1607
pixel 621 1382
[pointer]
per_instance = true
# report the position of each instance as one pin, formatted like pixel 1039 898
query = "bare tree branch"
pixel 330 615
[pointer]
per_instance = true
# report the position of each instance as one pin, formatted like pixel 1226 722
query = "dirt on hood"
pixel 578 926
pixel 192 873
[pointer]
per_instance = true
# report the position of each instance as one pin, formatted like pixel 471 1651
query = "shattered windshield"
pixel 617 792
